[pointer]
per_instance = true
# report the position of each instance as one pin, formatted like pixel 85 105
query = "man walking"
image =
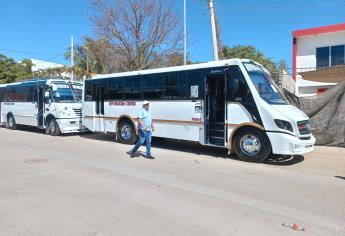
pixel 145 128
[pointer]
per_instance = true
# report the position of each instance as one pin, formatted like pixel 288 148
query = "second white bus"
pixel 51 104
pixel 231 103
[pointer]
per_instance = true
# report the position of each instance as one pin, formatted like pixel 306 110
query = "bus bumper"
pixel 71 125
pixel 284 144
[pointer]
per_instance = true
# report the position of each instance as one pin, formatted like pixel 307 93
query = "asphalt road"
pixel 87 185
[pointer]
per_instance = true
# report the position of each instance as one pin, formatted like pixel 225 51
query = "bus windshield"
pixel 66 93
pixel 264 84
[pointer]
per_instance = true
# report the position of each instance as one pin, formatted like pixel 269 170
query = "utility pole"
pixel 72 56
pixel 214 31
pixel 185 32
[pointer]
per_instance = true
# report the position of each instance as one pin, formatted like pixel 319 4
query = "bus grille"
pixel 77 112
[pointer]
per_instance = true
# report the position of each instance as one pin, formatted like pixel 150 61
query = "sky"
pixel 41 29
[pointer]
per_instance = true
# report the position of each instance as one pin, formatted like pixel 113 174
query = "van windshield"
pixel 264 84
pixel 66 93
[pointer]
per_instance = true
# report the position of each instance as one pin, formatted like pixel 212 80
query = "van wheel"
pixel 11 122
pixel 53 128
pixel 127 133
pixel 252 145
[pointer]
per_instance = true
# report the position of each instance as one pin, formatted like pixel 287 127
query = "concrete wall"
pixel 306 47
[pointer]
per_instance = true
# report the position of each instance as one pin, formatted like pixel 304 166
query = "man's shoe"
pixel 150 157
pixel 131 154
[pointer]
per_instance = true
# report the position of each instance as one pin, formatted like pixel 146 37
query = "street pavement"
pixel 87 185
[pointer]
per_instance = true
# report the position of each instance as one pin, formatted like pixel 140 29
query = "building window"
pixel 337 55
pixel 330 56
pixel 322 57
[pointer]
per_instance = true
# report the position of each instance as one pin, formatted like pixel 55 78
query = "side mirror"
pixel 46 97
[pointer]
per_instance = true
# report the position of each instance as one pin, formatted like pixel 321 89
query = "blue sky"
pixel 41 29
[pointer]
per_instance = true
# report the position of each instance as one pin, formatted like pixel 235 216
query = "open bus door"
pixel 215 111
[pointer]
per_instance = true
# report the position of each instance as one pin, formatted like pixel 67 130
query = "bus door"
pixel 40 107
pixel 100 98
pixel 215 112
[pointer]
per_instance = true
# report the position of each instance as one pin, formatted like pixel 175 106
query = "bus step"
pixel 216 140
pixel 217 126
pixel 216 132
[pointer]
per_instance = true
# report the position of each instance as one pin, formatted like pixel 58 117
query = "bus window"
pixel 182 86
pixel 116 88
pixel 196 79
pixel 152 87
pixel 237 86
pixel 132 87
pixel 88 91
pixel 171 86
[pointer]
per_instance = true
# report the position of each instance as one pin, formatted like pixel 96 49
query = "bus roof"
pixel 210 64
pixel 36 80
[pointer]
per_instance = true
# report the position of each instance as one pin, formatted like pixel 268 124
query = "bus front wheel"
pixel 252 145
pixel 126 132
pixel 11 122
pixel 53 128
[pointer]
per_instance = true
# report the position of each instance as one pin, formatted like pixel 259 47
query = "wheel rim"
pixel 250 145
pixel 126 132
pixel 11 121
pixel 52 127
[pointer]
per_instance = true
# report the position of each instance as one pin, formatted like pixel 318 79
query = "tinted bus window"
pixel 132 88
pixel 196 79
pixel 115 88
pixel 152 87
pixel 88 91
pixel 237 85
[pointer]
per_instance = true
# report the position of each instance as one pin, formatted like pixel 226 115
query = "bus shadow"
pixel 340 177
pixel 198 149
pixel 23 128
pixel 109 137
pixel 32 129
pixel 279 160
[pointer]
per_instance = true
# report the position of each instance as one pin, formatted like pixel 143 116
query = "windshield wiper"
pixel 65 101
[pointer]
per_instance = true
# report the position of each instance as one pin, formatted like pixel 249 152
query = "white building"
pixel 318 56
pixel 43 65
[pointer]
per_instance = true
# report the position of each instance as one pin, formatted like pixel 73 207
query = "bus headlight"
pixel 283 124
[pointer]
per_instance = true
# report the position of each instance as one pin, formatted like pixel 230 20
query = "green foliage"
pixel 250 52
pixel 11 71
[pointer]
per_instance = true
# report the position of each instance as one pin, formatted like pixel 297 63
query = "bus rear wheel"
pixel 11 122
pixel 126 132
pixel 252 145
pixel 53 128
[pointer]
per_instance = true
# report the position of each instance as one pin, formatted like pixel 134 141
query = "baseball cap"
pixel 146 102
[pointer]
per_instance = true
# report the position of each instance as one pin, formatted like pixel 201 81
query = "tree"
pixel 80 56
pixel 11 71
pixel 141 33
pixel 282 66
pixel 250 52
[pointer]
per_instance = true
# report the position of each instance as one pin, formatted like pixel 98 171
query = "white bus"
pixel 231 103
pixel 51 104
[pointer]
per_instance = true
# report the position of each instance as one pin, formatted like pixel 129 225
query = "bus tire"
pixel 53 128
pixel 252 145
pixel 127 134
pixel 11 122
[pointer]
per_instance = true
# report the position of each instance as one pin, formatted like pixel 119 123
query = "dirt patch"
pixel 36 160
